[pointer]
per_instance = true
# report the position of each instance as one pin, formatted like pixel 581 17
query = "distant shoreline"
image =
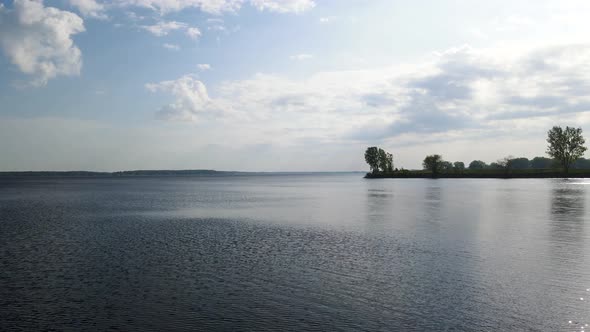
pixel 483 174
pixel 154 173
pixel 404 174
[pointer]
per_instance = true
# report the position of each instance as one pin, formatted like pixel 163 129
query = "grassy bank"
pixel 484 174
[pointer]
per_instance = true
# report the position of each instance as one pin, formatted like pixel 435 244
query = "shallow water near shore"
pixel 294 252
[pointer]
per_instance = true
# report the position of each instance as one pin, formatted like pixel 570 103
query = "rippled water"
pixel 305 252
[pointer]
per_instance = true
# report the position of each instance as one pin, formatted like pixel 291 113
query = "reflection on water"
pixel 433 202
pixel 379 203
pixel 567 225
pixel 567 202
pixel 567 222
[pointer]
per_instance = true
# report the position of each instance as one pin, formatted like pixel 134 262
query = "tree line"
pixel 565 149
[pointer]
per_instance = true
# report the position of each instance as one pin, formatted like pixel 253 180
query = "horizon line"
pixel 204 171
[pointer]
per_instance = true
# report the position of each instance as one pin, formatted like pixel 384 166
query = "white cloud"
pixel 38 40
pixel 167 6
pixel 539 23
pixel 163 28
pixel 90 8
pixel 461 93
pixel 172 47
pixel 221 6
pixel 283 6
pixel 134 16
pixel 218 25
pixel 193 33
pixel 192 102
pixel 204 66
pixel 301 57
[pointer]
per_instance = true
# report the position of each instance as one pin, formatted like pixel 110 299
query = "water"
pixel 305 252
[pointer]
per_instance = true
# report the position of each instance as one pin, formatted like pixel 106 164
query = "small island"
pixel 565 149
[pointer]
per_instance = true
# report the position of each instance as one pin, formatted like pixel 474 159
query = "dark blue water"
pixel 306 252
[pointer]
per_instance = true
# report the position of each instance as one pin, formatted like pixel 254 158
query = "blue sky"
pixel 285 85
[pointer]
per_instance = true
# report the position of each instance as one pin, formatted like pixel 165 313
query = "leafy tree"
pixel 385 161
pixel 379 160
pixel 477 164
pixel 504 164
pixel 494 165
pixel 542 163
pixel 389 163
pixel 372 158
pixel 459 165
pixel 565 145
pixel 446 166
pixel 382 160
pixel 433 163
pixel 520 163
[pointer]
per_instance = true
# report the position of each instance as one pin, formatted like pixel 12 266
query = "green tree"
pixel 566 146
pixel 446 166
pixel 494 165
pixel 372 158
pixel 520 163
pixel 458 166
pixel 542 163
pixel 389 163
pixel 477 164
pixel 383 163
pixel 504 164
pixel 433 163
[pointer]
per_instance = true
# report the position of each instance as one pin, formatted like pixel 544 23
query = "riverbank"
pixel 484 174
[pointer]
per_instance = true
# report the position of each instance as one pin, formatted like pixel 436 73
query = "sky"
pixel 286 85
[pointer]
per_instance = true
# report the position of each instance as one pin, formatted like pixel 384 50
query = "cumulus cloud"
pixel 192 102
pixel 301 57
pixel 38 40
pixel 221 6
pixel 90 8
pixel 458 93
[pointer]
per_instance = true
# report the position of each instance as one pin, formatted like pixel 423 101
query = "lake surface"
pixel 300 252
